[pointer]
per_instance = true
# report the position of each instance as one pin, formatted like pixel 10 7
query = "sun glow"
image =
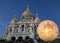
pixel 47 30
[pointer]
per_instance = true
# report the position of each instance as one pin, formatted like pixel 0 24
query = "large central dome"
pixel 27 13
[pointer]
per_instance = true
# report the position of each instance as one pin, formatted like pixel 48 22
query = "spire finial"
pixel 14 16
pixel 27 7
pixel 36 14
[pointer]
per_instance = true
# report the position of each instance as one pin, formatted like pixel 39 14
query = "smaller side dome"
pixel 36 19
pixel 13 20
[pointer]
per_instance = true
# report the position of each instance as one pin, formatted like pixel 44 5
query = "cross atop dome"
pixel 27 7
pixel 36 14
pixel 14 17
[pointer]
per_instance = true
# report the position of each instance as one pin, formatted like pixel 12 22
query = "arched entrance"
pixel 27 37
pixel 13 38
pixel 20 38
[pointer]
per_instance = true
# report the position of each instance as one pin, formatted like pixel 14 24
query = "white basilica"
pixel 24 27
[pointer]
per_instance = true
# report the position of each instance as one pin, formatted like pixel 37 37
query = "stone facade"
pixel 24 27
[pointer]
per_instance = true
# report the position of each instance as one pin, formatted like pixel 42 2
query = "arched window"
pixel 10 29
pixel 22 27
pixel 35 27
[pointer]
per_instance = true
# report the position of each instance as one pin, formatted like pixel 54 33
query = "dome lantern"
pixel 27 7
pixel 27 13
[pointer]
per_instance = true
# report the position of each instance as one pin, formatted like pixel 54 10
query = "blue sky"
pixel 47 9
